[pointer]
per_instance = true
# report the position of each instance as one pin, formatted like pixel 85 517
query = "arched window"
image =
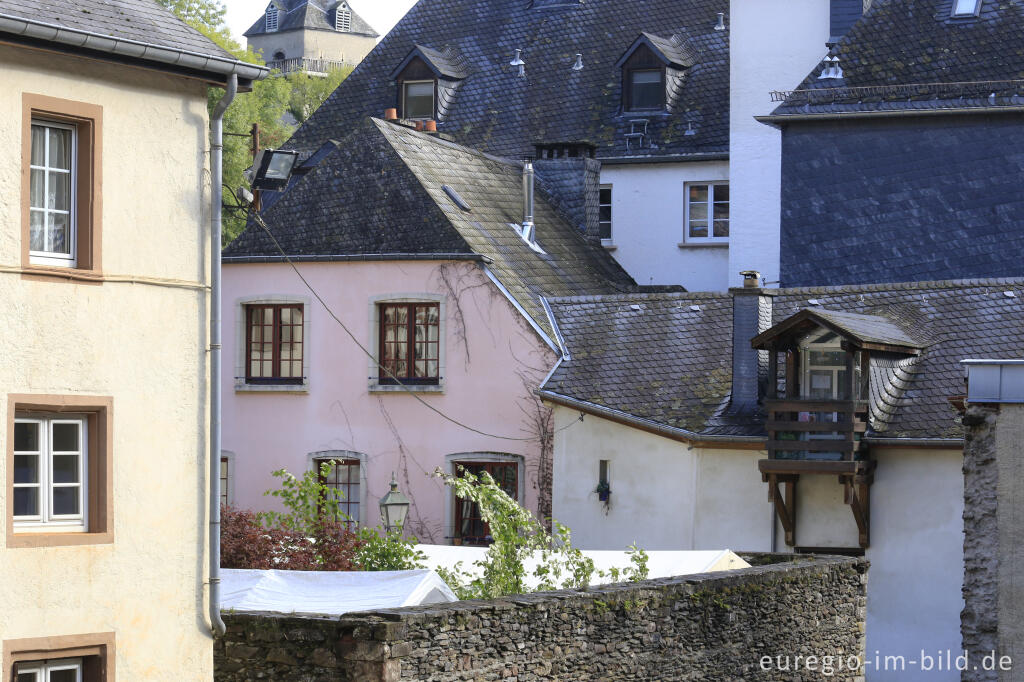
pixel 343 18
pixel 279 56
pixel 271 19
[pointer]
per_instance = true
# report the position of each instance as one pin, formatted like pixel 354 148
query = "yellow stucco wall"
pixel 143 344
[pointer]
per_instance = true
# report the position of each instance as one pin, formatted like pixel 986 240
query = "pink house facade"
pixel 416 245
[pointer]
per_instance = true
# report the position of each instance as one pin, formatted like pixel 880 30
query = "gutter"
pixel 124 47
pixel 675 433
pixel 917 442
pixel 781 119
pixel 334 258
pixel 668 158
pixel 216 172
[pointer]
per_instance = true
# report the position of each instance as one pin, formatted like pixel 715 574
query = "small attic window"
pixel 271 19
pixel 643 81
pixel 456 198
pixel 417 87
pixel 966 8
pixel 343 18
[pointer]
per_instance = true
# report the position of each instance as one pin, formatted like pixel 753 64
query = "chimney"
pixel 751 315
pixel 528 232
pixel 573 184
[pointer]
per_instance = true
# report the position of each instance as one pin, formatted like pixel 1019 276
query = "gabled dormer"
pixel 652 68
pixel 426 82
pixel 341 17
pixel 272 16
pixel 817 422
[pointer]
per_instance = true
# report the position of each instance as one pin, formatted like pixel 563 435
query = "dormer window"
pixel 343 18
pixel 648 66
pixel 966 8
pixel 417 90
pixel 271 19
pixel 427 81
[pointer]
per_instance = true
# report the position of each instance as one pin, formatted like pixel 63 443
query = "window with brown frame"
pixel 417 91
pixel 409 343
pixel 225 471
pixel 59 463
pixel 273 344
pixel 342 477
pixel 470 529
pixel 643 81
pixel 61 165
pixel 75 658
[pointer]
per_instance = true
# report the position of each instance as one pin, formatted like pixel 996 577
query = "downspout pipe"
pixel 217 198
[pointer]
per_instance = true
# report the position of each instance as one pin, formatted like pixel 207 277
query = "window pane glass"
pixel 37 231
pixel 646 90
pixel 722 193
pixel 60 148
pixel 63 676
pixel 65 437
pixel 31 676
pixel 26 437
pixel 698 212
pixel 698 193
pixel 606 195
pixel 721 211
pixel 65 468
pixel 58 234
pixel 419 100
pixel 60 191
pixel 26 501
pixel 26 468
pixel 699 229
pixel 65 500
pixel 37 188
pixel 38 146
pixel 721 228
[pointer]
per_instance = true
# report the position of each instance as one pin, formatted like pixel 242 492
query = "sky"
pixel 381 14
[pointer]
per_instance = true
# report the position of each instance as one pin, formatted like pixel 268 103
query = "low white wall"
pixel 648 209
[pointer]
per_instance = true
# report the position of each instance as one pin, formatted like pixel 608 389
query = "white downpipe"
pixel 216 173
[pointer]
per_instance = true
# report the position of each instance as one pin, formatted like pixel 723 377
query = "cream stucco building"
pixel 104 293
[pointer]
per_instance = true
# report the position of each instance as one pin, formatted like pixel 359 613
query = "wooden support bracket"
pixel 857 494
pixel 785 503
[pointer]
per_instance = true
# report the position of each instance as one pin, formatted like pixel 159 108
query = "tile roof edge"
pixel 641 296
pixel 923 285
pixel 628 419
pixel 776 118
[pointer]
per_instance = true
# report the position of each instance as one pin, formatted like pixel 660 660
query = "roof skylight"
pixel 966 8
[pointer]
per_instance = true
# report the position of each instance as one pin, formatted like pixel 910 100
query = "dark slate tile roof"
pixel 139 20
pixel 382 193
pixel 656 358
pixel 296 15
pixel 497 112
pixel 876 329
pixel 445 63
pixel 911 54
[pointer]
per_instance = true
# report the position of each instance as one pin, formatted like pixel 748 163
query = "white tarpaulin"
pixel 329 593
pixel 660 564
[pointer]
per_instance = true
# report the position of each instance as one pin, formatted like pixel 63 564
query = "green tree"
pixel 309 92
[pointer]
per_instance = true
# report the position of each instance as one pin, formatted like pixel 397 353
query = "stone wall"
pixel 701 627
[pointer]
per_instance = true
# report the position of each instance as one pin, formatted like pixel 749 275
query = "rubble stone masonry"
pixel 713 626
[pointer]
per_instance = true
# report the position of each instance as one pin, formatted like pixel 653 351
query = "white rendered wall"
pixel 716 500
pixel 774 44
pixel 648 208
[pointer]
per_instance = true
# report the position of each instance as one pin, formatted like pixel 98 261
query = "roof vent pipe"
pixel 528 227
pixel 518 62
pixel 578 66
pixel 720 26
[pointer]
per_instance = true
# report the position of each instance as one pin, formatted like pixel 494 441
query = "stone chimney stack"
pixel 574 186
pixel 992 622
pixel 751 315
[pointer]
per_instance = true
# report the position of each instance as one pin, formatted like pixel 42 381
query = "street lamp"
pixel 393 507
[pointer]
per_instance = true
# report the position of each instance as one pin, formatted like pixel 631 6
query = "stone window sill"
pixel 271 388
pixel 374 387
pixel 703 245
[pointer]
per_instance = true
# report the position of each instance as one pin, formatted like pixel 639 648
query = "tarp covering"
pixel 329 593
pixel 660 564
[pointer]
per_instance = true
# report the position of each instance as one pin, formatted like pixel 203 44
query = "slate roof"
pixel 445 64
pixel 297 15
pixel 381 194
pixel 139 20
pixel 498 112
pixel 655 358
pixel 912 55
pixel 876 329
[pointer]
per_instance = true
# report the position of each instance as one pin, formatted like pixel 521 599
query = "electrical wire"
pixel 390 374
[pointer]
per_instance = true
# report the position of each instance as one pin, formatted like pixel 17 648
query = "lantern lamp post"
pixel 394 507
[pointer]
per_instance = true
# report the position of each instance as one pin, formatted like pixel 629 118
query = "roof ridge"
pixel 642 296
pixel 922 285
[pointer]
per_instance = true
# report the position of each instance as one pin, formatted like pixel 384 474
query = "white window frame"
pixel 43 669
pixel 46 521
pixel 959 10
pixel 710 184
pixel 271 19
pixel 343 18
pixel 374 385
pixel 433 96
pixel 610 239
pixel 49 257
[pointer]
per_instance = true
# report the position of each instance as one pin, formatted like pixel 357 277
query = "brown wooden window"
pixel 643 81
pixel 274 344
pixel 344 478
pixel 409 343
pixel 417 91
pixel 469 527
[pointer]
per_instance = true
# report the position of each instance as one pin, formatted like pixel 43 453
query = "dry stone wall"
pixel 714 626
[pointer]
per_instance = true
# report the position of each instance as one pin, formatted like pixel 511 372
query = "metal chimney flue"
pixel 528 227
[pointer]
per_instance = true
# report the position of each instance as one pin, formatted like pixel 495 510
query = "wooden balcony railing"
pixel 815 429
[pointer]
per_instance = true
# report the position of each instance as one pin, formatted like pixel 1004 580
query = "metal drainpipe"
pixel 216 173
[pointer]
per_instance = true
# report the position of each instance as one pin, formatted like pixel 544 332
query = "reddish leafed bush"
pixel 245 543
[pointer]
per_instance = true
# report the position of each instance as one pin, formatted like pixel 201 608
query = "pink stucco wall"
pixel 493 360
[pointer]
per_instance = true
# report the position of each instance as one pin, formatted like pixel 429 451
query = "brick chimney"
pixel 751 315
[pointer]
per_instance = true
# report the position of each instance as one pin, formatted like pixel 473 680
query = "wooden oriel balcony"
pixel 812 429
